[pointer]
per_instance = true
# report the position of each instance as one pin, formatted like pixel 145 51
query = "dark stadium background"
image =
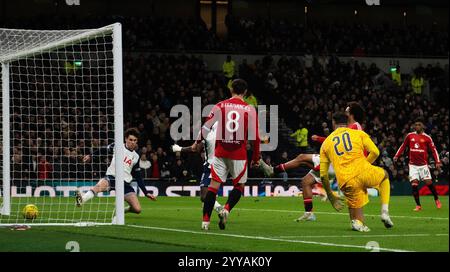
pixel 321 54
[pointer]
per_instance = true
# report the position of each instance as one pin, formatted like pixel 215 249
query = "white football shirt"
pixel 210 144
pixel 130 159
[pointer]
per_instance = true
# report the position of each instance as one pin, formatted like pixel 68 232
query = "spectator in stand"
pixel 20 170
pixel 244 69
pixel 228 69
pixel 265 35
pixel 143 135
pixel 155 167
pixel 272 82
pixel 164 127
pixel 250 99
pixel 145 166
pixel 44 169
pixel 417 83
pixel 301 137
pixel 396 75
pixel 359 51
pixel 177 170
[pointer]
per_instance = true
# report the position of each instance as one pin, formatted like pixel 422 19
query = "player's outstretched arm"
pixel 433 149
pixel 401 149
pixel 335 201
pixel 212 118
pixel 317 138
pixel 195 147
pixel 136 172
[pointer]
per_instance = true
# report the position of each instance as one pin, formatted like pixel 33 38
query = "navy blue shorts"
pixel 206 176
pixel 112 185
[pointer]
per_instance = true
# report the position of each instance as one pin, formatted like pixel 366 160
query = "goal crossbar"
pixel 79 36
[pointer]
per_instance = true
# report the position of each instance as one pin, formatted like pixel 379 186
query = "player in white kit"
pixel 132 170
pixel 208 144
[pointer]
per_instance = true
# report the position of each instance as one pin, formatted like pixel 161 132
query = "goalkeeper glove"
pixel 336 202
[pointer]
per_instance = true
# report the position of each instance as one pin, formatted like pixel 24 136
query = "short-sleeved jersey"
pixel 237 123
pixel 344 148
pixel 130 164
pixel 355 125
pixel 419 145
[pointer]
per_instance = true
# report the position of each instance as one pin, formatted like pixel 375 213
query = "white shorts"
pixel 316 174
pixel 419 173
pixel 221 167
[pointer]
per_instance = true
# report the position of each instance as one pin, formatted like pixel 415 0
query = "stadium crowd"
pixel 262 35
pixel 343 38
pixel 154 83
pixel 313 84
pixel 314 90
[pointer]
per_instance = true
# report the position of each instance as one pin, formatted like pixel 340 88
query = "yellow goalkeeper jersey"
pixel 344 148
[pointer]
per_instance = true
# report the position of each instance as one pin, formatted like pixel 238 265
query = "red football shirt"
pixel 418 145
pixel 238 123
pixel 356 126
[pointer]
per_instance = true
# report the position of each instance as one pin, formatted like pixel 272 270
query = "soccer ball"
pixel 30 211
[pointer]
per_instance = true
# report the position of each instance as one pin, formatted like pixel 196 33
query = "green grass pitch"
pixel 263 224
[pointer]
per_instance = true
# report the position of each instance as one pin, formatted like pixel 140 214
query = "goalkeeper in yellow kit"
pixel 344 148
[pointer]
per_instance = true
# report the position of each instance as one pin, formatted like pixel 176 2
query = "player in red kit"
pixel 419 143
pixel 237 124
pixel 356 115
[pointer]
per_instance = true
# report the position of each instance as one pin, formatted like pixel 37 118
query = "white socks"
pixel 217 205
pixel 385 208
pixel 87 196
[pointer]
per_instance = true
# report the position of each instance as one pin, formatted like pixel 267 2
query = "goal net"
pixel 61 100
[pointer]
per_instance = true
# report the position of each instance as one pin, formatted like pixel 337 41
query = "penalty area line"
pixel 264 238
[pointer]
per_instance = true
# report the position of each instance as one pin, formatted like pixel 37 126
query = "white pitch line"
pixel 263 238
pixel 362 236
pixel 346 214
pixel 291 211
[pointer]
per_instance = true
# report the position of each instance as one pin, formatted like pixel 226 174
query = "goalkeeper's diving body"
pixel 344 148
pixel 131 169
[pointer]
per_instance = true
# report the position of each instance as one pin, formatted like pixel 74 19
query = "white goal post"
pixel 61 93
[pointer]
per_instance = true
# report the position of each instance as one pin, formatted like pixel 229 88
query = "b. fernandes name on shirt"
pixel 236 106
